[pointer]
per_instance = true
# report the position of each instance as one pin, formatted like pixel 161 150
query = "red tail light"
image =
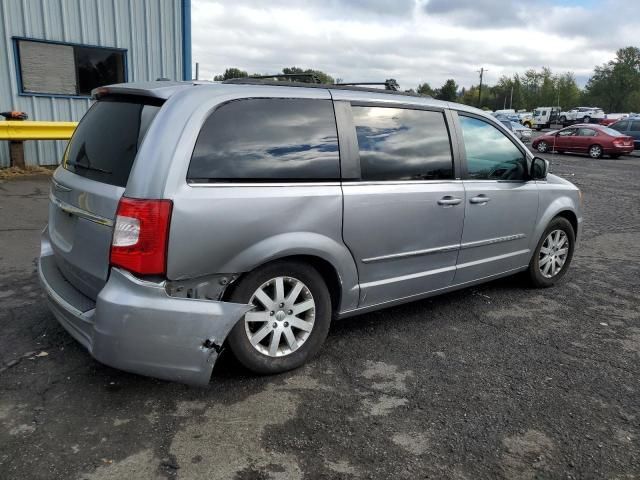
pixel 140 236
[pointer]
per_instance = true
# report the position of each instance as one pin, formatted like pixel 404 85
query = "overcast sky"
pixel 412 41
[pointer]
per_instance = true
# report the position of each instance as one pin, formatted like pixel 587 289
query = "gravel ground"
pixel 496 381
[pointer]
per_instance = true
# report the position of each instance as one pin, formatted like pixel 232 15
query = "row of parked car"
pixel 581 122
pixel 516 123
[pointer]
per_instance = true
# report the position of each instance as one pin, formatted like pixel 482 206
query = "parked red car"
pixel 594 140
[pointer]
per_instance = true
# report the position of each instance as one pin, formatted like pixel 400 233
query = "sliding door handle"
pixel 449 201
pixel 480 199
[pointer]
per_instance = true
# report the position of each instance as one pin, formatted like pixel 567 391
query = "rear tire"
pixel 587 119
pixel 595 151
pixel 553 254
pixel 563 119
pixel 297 336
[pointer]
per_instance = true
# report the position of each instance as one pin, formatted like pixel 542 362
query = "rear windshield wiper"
pixel 87 167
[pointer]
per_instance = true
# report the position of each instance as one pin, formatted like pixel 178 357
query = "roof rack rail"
pixel 389 84
pixel 334 86
pixel 312 76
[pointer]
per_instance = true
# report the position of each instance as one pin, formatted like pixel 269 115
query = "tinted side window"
pixel 402 144
pixel 635 126
pixel 490 154
pixel 268 140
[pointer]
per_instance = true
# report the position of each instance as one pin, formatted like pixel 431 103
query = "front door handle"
pixel 480 199
pixel 449 201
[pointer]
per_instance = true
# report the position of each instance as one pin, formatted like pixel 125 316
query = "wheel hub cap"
pixel 289 302
pixel 553 253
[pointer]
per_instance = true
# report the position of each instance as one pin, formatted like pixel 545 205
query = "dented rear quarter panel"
pixel 234 229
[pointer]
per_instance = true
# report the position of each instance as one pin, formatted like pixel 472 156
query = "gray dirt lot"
pixel 494 381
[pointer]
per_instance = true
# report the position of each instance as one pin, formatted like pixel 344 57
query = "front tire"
pixel 542 147
pixel 553 254
pixel 290 320
pixel 563 119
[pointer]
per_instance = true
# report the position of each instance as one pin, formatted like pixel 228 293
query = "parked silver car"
pixel 519 130
pixel 187 217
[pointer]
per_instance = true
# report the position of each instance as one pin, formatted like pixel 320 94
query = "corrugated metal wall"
pixel 150 30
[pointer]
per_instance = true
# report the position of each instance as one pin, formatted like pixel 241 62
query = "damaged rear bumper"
pixel 135 326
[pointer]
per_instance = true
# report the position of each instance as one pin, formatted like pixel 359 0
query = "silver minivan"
pixel 189 217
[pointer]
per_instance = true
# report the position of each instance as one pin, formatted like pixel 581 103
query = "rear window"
pixel 106 141
pixel 268 139
pixel 612 132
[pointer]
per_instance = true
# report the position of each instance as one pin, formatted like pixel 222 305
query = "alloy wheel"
pixel 283 317
pixel 553 253
pixel 595 151
pixel 542 147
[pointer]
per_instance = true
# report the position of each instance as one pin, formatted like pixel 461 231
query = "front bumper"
pixel 134 325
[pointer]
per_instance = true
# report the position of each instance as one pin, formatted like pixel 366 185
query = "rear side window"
pixel 490 154
pixel 635 126
pixel 271 139
pixel 106 142
pixel 621 126
pixel 402 144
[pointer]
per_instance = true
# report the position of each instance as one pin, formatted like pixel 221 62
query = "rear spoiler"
pixel 160 90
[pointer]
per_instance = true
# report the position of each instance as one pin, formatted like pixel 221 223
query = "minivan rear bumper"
pixel 134 325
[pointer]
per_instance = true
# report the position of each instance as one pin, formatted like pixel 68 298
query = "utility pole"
pixel 481 72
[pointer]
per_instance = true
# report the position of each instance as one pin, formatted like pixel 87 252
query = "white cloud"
pixel 410 40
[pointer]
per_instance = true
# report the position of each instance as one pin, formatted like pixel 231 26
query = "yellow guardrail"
pixel 27 130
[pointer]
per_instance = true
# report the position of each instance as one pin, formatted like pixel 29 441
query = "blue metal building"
pixel 53 52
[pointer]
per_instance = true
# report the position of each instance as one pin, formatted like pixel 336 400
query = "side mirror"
pixel 539 168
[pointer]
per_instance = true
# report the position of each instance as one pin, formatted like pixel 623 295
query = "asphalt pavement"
pixel 495 381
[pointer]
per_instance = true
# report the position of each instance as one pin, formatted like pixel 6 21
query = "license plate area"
pixel 62 227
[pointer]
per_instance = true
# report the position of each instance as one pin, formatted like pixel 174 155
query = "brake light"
pixel 140 236
pixel 619 142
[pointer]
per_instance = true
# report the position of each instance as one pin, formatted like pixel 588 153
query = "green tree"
pixel 425 90
pixel 231 73
pixel 319 74
pixel 569 94
pixel 448 92
pixel 615 86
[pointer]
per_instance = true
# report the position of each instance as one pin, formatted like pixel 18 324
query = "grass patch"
pixel 15 172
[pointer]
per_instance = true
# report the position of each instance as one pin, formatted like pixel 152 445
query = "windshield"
pixel 106 142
